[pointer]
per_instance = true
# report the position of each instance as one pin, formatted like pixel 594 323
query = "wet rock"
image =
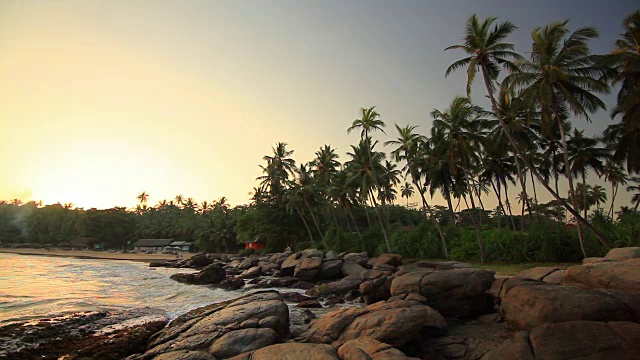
pixel 395 323
pixel 255 318
pixel 295 297
pixel 251 273
pixel 309 304
pixel 199 260
pixel 248 263
pixel 340 287
pixel 230 283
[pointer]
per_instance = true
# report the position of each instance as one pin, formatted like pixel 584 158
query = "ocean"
pixel 39 287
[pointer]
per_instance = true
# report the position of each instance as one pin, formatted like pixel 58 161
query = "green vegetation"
pixel 529 138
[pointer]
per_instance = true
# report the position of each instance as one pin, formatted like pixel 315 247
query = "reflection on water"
pixel 34 287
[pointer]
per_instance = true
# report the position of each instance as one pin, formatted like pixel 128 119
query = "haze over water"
pixel 36 287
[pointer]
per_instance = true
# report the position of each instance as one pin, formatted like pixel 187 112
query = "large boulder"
pixel 185 355
pixel 199 260
pixel 351 268
pixel 226 329
pixel 211 274
pixel 372 291
pixel 528 304
pixel 367 348
pixel 331 269
pixel 394 260
pixel 617 275
pixel 623 253
pixel 308 268
pixel 289 264
pixel 291 351
pixel 251 273
pixel 573 340
pixel 458 292
pixel 248 263
pixel 393 322
pixel 340 287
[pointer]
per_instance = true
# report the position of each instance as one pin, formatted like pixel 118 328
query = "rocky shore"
pixel 314 305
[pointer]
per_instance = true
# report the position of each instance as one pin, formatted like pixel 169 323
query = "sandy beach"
pixel 88 254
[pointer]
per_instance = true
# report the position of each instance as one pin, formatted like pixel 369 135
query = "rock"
pixel 308 268
pixel 291 351
pixel 573 340
pixel 269 268
pixel 395 323
pixel 240 341
pixel 183 278
pixel 159 264
pixel 211 274
pixel 309 304
pixel 528 305
pixel 340 287
pixel 228 328
pixel 555 278
pixel 618 275
pixel 230 283
pixel 592 260
pixel 289 265
pixel 251 273
pixel 384 267
pixel 283 282
pixel 311 253
pixel 457 292
pixel 394 260
pixel 331 269
pixel 248 263
pixel 279 258
pixel 623 253
pixel 185 355
pixel 537 273
pixel 199 260
pixel 351 268
pixel 366 348
pixel 295 297
pixel 376 290
pixel 357 258
pixel 330 255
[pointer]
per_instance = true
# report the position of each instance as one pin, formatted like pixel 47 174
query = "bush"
pixel 247 252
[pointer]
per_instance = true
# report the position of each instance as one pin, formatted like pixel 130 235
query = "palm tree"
pixel 143 197
pixel 626 58
pixel 487 52
pixel 598 195
pixel 279 168
pixel 179 200
pixel 366 166
pixel 457 135
pixel 561 76
pixel 635 187
pixel 614 174
pixel 584 154
pixel 406 191
pixel 16 202
pixel 369 122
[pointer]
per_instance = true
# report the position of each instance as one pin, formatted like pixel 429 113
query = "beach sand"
pixel 88 254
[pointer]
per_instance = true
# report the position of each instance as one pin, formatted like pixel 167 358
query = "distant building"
pixel 183 245
pixel 152 244
pixel 255 245
pixel 81 243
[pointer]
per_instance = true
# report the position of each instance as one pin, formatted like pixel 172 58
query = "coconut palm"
pixel 584 154
pixel 626 57
pixel 562 76
pixel 614 174
pixel 280 167
pixel 635 187
pixel 415 151
pixel 369 122
pixel 598 195
pixel 406 191
pixel 143 197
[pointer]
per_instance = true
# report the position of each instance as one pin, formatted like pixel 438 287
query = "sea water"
pixel 38 287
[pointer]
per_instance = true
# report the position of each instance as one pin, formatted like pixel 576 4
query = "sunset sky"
pixel 100 100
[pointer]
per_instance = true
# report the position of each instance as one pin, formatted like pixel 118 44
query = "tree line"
pixel 528 138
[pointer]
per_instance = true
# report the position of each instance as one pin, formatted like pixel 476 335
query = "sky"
pixel 101 100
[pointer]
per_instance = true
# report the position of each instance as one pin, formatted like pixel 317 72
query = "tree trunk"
pixel 357 230
pixel 567 173
pixel 315 221
pixel 306 226
pixel 427 208
pixel 384 231
pixel 506 196
pixel 499 204
pixel 475 225
pixel 513 143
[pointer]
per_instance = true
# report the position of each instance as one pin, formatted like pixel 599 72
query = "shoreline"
pixel 98 255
